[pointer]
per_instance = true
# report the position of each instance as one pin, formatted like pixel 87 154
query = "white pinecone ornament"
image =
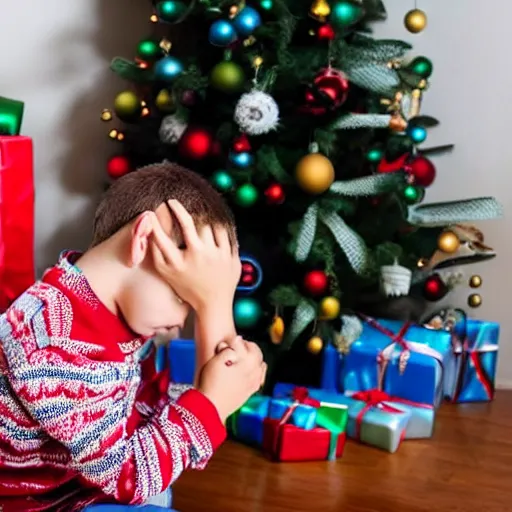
pixel 395 280
pixel 256 113
pixel 171 129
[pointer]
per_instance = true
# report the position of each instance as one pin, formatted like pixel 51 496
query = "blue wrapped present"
pixel 182 359
pixel 402 359
pixel 303 416
pixel 471 376
pixel 246 424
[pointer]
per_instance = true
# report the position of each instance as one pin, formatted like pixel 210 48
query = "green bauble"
pixel 171 11
pixel 149 50
pixel 246 195
pixel 247 312
pixel 421 66
pixel 227 77
pixel 375 155
pixel 222 181
pixel 345 13
pixel 413 194
pixel 266 5
pixel 165 101
pixel 127 106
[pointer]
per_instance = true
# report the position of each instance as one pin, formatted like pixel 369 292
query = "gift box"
pixel 182 359
pixel 17 269
pixel 301 429
pixel 373 417
pixel 471 376
pixel 402 359
pixel 246 424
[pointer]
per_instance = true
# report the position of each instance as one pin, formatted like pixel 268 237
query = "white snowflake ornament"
pixel 171 129
pixel 256 113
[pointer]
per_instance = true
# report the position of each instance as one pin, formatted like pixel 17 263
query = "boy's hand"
pixel 206 272
pixel 233 376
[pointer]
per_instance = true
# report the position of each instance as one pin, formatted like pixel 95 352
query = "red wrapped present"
pixel 17 271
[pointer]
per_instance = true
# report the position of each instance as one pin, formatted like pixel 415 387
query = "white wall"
pixel 55 57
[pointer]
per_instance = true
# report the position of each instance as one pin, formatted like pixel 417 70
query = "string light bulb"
pixel 113 134
pixel 233 11
pixel 153 18
pixel 120 136
pixel 106 115
pixel 145 112
pixel 257 61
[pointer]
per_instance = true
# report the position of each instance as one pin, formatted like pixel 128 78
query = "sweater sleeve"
pixel 86 405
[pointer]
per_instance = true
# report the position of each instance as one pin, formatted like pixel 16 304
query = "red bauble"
pixel 118 166
pixel 326 33
pixel 196 143
pixel 275 194
pixel 434 288
pixel 316 283
pixel 423 171
pixel 249 274
pixel 241 144
pixel 328 92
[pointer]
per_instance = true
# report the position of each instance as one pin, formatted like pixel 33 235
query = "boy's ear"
pixel 139 243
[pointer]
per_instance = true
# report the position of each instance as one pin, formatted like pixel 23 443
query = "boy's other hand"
pixel 206 271
pixel 230 378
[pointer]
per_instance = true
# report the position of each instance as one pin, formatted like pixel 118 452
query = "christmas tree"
pixel 312 131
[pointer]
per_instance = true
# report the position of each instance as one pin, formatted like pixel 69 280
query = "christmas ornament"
pixel 189 98
pixel 127 106
pixel 328 91
pixel 314 173
pixel 106 115
pixel 171 11
pixel 118 166
pixel 434 288
pixel 415 21
pixel 241 160
pixel 227 77
pixel 475 281
pixel 241 144
pixel 266 5
pixel 246 312
pixel 247 21
pixel 422 170
pixel 421 66
pixel 251 276
pixel 345 13
pixel 417 134
pixel 256 113
pixel 196 143
pixel 172 129
pixel 275 194
pixel 413 194
pixel 326 33
pixel 474 300
pixel 276 330
pixel 315 345
pixel 375 155
pixel 222 33
pixel 395 280
pixel 246 195
pixel 329 308
pixel 448 242
pixel 149 50
pixel 165 101
pixel 168 68
pixel 316 282
pixel 320 10
pixel 222 181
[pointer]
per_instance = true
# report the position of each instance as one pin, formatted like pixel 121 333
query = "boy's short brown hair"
pixel 149 187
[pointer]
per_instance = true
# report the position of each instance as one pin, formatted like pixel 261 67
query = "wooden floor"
pixel 466 467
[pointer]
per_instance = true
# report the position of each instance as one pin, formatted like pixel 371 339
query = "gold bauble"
pixel 448 242
pixel 165 101
pixel 415 21
pixel 475 281
pixel 320 10
pixel 314 173
pixel 315 345
pixel 127 106
pixel 276 330
pixel 475 300
pixel 329 308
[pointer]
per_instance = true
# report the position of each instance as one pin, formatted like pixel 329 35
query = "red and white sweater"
pixel 84 417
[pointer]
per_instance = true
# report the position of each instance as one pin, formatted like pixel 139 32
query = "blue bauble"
pixel 222 33
pixel 417 134
pixel 242 160
pixel 168 68
pixel 247 21
pixel 247 312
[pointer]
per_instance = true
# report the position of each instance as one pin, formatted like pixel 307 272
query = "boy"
pixel 84 416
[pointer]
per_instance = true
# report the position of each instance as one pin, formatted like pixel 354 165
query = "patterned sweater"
pixel 83 416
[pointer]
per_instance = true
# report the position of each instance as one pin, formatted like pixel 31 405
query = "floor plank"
pixel 466 467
